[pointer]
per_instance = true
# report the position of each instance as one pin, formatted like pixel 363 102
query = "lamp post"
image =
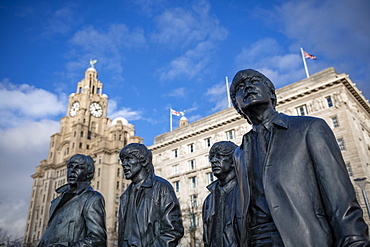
pixel 361 182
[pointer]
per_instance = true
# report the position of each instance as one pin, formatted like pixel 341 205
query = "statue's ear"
pixel 89 176
pixel 145 162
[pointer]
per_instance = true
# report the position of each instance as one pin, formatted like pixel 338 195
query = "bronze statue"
pixel 149 212
pixel 222 215
pixel 294 184
pixel 77 216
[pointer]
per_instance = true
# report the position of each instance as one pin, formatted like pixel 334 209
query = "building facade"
pixel 181 156
pixel 84 130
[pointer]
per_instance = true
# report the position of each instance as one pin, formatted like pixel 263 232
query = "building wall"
pixel 327 95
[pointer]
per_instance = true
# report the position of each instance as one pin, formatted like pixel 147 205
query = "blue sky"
pixel 153 55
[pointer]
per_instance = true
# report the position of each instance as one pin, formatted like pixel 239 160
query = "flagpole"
pixel 227 91
pixel 170 119
pixel 304 63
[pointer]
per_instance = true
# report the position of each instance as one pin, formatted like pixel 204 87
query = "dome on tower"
pixel 91 69
pixel 120 120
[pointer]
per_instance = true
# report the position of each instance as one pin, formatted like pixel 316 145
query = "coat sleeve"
pixel 338 195
pixel 205 212
pixel 171 230
pixel 94 215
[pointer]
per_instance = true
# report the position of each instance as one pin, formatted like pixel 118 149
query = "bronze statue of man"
pixel 77 216
pixel 294 184
pixel 149 212
pixel 222 216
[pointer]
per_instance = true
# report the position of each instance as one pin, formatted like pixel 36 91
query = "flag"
pixel 176 113
pixel 307 55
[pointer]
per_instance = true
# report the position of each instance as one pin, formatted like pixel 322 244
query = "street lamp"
pixel 361 182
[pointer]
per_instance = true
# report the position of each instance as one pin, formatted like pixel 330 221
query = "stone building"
pixel 181 156
pixel 84 130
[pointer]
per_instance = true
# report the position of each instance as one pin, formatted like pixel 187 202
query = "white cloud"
pixel 105 45
pixel 61 21
pixel 24 139
pixel 217 95
pixel 196 32
pixel 24 102
pixel 178 92
pixel 125 112
pixel 269 58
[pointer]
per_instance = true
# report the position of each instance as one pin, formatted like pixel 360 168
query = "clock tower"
pixel 87 130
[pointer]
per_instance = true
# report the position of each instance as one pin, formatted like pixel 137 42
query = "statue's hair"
pixel 84 160
pixel 223 148
pixel 139 151
pixel 249 74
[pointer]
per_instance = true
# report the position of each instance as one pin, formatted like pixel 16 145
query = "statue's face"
pixel 221 164
pixel 251 92
pixel 76 173
pixel 131 166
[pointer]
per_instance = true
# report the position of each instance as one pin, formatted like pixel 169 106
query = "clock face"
pixel 96 109
pixel 74 108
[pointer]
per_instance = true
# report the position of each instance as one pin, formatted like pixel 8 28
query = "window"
pixel 98 172
pixel 207 160
pixel 334 121
pixel 80 144
pixel 210 177
pixel 207 142
pixel 118 172
pixel 175 153
pixel 329 101
pixel 349 169
pixel 193 182
pixel 97 185
pixel 191 164
pixel 191 148
pixel 117 185
pixel 100 159
pixel 230 135
pixel 302 110
pixel 82 134
pixel 341 144
pixel 194 200
pixel 175 169
pixel 117 198
pixel 176 186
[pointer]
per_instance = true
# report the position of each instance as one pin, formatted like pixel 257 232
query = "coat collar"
pixel 227 188
pixel 80 188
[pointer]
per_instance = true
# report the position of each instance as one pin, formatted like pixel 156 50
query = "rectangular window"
pixel 176 186
pixel 191 164
pixel 329 101
pixel 175 153
pixel 191 148
pixel 341 144
pixel 97 185
pixel 207 142
pixel 334 121
pixel 230 135
pixel 211 178
pixel 193 182
pixel 118 172
pixel 349 169
pixel 194 200
pixel 117 185
pixel 100 159
pixel 175 169
pixel 302 110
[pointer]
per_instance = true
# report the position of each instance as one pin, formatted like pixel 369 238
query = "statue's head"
pixel 221 158
pixel 136 161
pixel 80 168
pixel 250 87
